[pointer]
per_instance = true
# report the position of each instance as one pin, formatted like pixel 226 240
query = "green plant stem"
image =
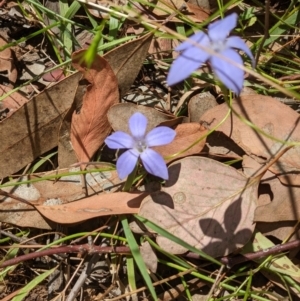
pixel 130 179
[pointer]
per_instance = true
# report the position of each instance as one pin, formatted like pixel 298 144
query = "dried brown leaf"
pixel 206 203
pixel 186 135
pixel 149 256
pixel 260 147
pixel 32 129
pixel 53 192
pixel 127 59
pixel 90 126
pixel 119 114
pixel 94 206
pixel 7 63
pixel 12 102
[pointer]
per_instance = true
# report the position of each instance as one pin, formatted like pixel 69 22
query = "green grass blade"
pixel 172 237
pixel 137 256
pixel 31 285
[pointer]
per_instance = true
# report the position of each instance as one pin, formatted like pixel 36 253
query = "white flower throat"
pixel 218 46
pixel 140 145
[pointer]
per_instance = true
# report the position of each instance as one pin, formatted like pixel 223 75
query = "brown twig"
pixel 91 249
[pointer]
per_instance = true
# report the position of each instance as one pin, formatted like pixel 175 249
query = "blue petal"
pixel 119 140
pixel 160 136
pixel 126 163
pixel 231 76
pixel 154 163
pixel 137 125
pixel 187 62
pixel 237 42
pixel 197 38
pixel 219 30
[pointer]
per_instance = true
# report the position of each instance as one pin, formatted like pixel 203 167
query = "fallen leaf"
pixel 221 146
pixel 32 130
pixel 284 205
pixel 280 230
pixel 127 60
pixel 149 256
pixel 186 135
pixel 271 193
pixel 258 146
pixel 94 206
pixel 118 116
pixel 205 203
pixel 7 63
pixel 66 154
pixel 54 75
pixel 280 265
pixel 12 102
pixel 56 191
pixel 90 126
pixel 199 14
pixel 161 48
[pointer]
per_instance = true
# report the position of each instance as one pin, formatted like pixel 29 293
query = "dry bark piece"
pixel 206 203
pixel 262 148
pixel 119 114
pixel 90 126
pixel 32 129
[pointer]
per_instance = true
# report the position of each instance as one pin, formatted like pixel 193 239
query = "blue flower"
pixel 139 144
pixel 216 39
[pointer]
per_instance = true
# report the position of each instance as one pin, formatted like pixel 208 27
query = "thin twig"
pixel 86 248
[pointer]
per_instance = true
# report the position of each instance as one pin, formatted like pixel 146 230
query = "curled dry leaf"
pixel 186 135
pixel 54 192
pixel 94 206
pixel 125 61
pixel 90 126
pixel 118 116
pixel 206 203
pixel 260 147
pixel 32 129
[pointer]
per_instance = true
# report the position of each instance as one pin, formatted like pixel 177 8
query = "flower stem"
pixel 130 178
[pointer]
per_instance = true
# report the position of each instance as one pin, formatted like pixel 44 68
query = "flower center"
pixel 140 145
pixel 218 46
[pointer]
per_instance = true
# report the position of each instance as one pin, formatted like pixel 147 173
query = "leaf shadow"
pixel 222 235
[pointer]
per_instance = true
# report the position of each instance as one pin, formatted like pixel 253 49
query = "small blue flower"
pixel 139 144
pixel 216 39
